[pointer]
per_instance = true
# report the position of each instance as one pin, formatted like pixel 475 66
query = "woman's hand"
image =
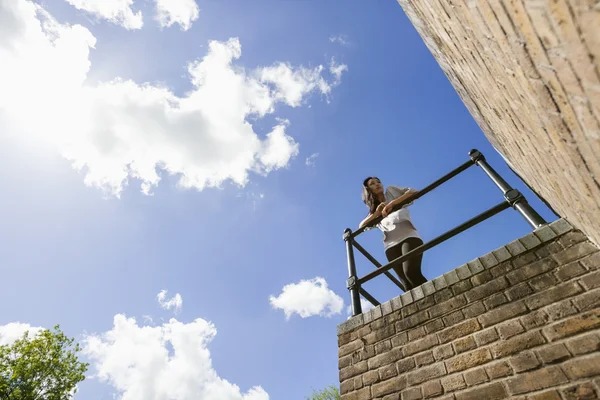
pixel 379 209
pixel 387 209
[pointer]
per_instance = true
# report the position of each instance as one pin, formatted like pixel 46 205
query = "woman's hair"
pixel 368 197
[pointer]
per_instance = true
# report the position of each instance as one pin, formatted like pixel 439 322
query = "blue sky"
pixel 81 246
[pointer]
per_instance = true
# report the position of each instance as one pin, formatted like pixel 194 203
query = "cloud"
pixel 308 298
pixel 175 302
pixel 182 12
pixel 167 362
pixel 339 39
pixel 312 159
pixel 364 304
pixel 15 330
pixel 121 131
pixel 118 12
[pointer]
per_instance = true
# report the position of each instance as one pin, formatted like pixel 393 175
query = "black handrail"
pixel 512 198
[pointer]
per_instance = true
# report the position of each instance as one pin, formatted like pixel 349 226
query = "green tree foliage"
pixel 329 393
pixel 41 367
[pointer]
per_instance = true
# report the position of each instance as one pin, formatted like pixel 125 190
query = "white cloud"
pixel 118 12
pixel 337 70
pixel 175 302
pixel 182 12
pixel 340 39
pixel 167 362
pixel 308 298
pixel 312 159
pixel 119 131
pixel 365 306
pixel 15 330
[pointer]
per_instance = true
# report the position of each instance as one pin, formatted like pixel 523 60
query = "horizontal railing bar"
pixel 378 265
pixel 442 238
pixel 421 193
pixel 367 296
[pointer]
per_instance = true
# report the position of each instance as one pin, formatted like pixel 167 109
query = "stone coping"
pixel 528 242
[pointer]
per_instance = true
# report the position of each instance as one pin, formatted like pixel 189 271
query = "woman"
pixel 399 234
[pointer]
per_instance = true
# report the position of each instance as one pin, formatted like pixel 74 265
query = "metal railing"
pixel 512 198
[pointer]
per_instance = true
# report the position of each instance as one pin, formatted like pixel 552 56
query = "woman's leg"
pixel 412 266
pixel 392 253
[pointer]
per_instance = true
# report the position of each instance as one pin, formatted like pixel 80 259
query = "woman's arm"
pixel 390 206
pixel 371 217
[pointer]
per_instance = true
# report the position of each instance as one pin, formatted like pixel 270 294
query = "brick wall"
pixel 522 322
pixel 529 73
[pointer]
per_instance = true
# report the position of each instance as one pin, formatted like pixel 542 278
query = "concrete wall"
pixel 522 322
pixel 528 71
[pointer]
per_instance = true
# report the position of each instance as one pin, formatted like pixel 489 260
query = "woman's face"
pixel 375 186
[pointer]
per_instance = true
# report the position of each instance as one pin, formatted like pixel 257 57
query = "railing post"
pixel 352 283
pixel 513 196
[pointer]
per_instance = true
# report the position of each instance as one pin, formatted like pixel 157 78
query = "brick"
pixel 411 321
pixel 385 332
pixel 545 233
pixel 547 395
pixel 468 360
pixel 425 358
pixel 560 310
pixel 534 319
pixel 416 333
pixel 447 306
pixel 442 295
pixel 363 354
pixel 561 226
pixel 425 303
pixel 344 338
pixel 453 318
pixel 463 272
pixel 390 386
pixel 510 329
pixel 345 361
pixel 517 343
pixel 406 298
pixel 591 280
pixel 451 277
pixel 501 269
pixel 453 382
pixel 553 295
pixel 434 326
pixel 440 283
pixel 461 287
pixel 582 391
pixel 528 271
pixel 488 260
pixel 353 370
pixel 428 288
pixel 350 347
pixel 580 323
pixel 518 292
pixel 588 301
pixel 487 289
pixel 498 370
pixel 569 271
pixel 530 241
pixel 362 394
pixel 524 362
pixel 358 381
pixel 443 352
pixel 502 313
pixel 515 248
pixel 387 372
pixel 383 347
pixel 350 324
pixel 385 358
pixel 575 252
pixel 420 345
pixel 458 331
pixel 502 254
pixel 473 310
pixel 464 344
pixel 543 281
pixel 486 336
pixel 347 386
pixel 584 344
pixel 425 374
pixel 553 353
pixel 592 262
pixel 386 308
pixel 475 267
pixel 412 394
pixel 400 339
pixel 432 389
pixel 417 293
pixel 493 391
pixel 393 396
pixel 583 367
pixel 405 365
pixel 409 309
pixel 495 300
pixel 396 303
pixel 572 238
pixel 475 376
pixel 481 278
pixel 371 377
pixel 536 380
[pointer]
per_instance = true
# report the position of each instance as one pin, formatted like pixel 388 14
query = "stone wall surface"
pixel 528 71
pixel 522 322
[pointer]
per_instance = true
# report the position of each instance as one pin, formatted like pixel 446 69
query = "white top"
pixel 397 226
